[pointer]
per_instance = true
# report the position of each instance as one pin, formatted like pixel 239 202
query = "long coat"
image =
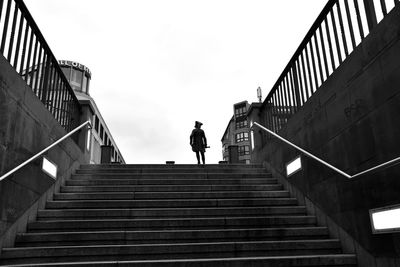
pixel 198 140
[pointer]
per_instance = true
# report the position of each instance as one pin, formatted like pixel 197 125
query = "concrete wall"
pixel 353 122
pixel 26 128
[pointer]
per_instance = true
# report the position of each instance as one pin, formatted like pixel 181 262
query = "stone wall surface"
pixel 352 122
pixel 27 127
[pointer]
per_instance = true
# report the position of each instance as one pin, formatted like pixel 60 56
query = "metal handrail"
pixel 46 149
pixel 326 163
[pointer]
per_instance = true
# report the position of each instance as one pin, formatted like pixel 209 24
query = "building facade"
pixel 236 141
pixel 79 76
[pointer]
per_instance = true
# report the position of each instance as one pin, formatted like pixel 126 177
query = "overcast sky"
pixel 159 65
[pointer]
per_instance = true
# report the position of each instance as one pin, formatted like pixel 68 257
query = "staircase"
pixel 174 215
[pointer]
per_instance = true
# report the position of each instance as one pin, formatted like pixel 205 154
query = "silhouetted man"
pixel 198 142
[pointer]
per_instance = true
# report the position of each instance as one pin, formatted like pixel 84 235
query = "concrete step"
pixel 332 260
pixel 171 203
pixel 166 176
pixel 153 167
pixel 168 188
pixel 169 195
pixel 67 214
pixel 170 251
pixel 168 236
pixel 183 181
pixel 172 223
pixel 134 170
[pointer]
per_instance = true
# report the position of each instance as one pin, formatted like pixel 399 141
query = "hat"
pixel 197 123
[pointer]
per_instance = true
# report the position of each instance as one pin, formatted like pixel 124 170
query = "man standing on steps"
pixel 198 142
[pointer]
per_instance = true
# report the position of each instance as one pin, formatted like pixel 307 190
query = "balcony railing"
pixel 338 30
pixel 24 47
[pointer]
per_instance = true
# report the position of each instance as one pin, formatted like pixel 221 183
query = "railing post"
pixel 370 13
pixel 45 81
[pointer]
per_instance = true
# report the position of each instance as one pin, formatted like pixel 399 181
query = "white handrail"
pixel 46 149
pixel 324 162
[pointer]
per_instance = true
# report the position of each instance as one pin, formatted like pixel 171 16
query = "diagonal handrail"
pixel 390 162
pixel 46 149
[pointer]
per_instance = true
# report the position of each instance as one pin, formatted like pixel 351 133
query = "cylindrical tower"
pixel 78 75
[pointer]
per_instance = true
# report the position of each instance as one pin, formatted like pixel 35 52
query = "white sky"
pixel 159 65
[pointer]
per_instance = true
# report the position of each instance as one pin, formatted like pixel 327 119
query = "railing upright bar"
pixel 324 52
pixel 309 72
pixel 28 61
pixel 283 100
pixel 304 76
pixel 38 71
pixel 287 95
pixel 360 26
pixel 313 64
pixel 12 35
pixel 21 70
pixel 5 28
pixel 336 34
pixel 370 13
pixel 350 23
pixel 19 35
pixel 346 50
pixel 383 6
pixel 328 34
pixel 294 85
pixel 33 71
pixel 1 8
pixel 44 150
pixel 300 81
pixel 318 57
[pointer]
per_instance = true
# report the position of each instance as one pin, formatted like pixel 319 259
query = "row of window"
pixel 244 150
pixel 98 127
pixel 240 137
pixel 241 124
pixel 241 111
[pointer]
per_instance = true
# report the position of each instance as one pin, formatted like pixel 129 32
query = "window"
pixel 241 124
pixel 240 137
pixel 96 124
pixel 240 111
pixel 244 150
pixel 76 79
pixel 101 132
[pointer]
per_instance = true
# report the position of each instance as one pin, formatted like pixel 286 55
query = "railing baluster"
pixel 313 64
pixel 285 101
pixel 24 50
pixel 353 39
pixel 295 92
pixel 324 52
pixel 370 13
pixel 319 58
pixel 17 48
pixel 309 72
pixel 5 28
pixel 1 8
pixel 383 5
pixel 287 96
pixel 28 59
pixel 300 81
pixel 336 35
pixel 360 26
pixel 38 71
pixel 328 36
pixel 296 85
pixel 13 25
pixel 304 76
pixel 346 51
pixel 33 71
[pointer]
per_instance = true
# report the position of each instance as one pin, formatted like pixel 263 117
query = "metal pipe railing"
pixel 46 149
pixel 393 161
